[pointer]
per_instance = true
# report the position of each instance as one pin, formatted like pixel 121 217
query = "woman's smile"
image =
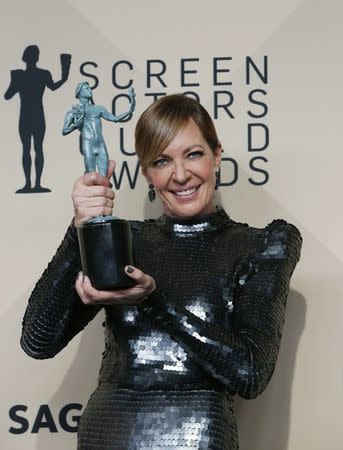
pixel 184 174
pixel 186 192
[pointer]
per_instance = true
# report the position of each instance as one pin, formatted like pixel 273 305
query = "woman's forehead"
pixel 188 136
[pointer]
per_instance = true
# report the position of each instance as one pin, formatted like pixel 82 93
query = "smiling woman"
pixel 180 153
pixel 205 318
pixel 184 174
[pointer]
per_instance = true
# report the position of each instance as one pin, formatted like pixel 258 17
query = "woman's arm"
pixel 92 196
pixel 55 313
pixel 243 358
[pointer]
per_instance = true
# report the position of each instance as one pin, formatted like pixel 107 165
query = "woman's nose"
pixel 181 174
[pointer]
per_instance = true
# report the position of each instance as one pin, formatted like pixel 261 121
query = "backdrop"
pixel 269 73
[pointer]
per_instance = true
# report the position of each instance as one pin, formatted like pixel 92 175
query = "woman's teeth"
pixel 184 193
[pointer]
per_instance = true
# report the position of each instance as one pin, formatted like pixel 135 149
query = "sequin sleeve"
pixel 55 313
pixel 243 357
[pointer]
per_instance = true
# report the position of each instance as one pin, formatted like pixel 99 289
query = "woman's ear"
pixel 145 175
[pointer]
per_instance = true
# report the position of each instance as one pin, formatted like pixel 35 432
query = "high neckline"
pixel 196 224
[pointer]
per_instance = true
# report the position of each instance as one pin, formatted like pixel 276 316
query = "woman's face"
pixel 184 174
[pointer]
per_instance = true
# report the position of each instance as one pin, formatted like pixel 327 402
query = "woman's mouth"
pixel 186 192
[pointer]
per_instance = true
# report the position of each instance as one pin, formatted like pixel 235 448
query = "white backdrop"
pixel 203 48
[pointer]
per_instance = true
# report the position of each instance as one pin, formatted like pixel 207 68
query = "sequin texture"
pixel 210 330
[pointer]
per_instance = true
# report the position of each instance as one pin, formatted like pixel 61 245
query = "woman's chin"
pixel 186 210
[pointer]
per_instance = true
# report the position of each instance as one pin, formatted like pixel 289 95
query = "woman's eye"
pixel 159 162
pixel 195 154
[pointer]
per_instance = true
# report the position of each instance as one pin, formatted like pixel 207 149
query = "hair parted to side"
pixel 164 119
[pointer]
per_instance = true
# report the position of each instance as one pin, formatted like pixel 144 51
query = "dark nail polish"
pixel 130 269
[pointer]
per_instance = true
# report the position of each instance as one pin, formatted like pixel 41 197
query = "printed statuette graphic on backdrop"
pixel 86 117
pixel 105 241
pixel 30 84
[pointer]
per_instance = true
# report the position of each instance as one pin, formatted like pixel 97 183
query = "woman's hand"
pixel 131 296
pixel 92 195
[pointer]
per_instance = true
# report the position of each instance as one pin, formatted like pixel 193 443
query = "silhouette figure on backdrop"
pixel 30 84
pixel 86 117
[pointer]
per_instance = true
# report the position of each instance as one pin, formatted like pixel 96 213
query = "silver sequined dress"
pixel 171 366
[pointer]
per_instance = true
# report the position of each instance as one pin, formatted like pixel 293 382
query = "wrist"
pixel 72 230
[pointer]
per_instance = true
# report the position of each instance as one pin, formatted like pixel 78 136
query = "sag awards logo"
pixel 31 82
pixel 23 420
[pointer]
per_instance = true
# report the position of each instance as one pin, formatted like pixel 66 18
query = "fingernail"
pixel 130 269
pixel 79 275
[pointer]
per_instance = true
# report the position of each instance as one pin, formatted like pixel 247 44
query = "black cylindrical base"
pixel 106 248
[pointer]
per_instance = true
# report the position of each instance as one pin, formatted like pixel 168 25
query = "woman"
pixel 203 322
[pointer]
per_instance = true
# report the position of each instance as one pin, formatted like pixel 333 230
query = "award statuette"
pixel 105 241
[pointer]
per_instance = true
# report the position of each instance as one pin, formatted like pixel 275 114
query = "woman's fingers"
pixel 111 167
pixel 94 179
pixel 95 201
pixel 80 290
pixel 131 296
pixel 89 212
pixel 97 191
pixel 94 295
pixel 86 207
pixel 83 190
pixel 92 196
pixel 90 295
pixel 143 280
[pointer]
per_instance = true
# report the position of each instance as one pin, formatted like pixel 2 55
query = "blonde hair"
pixel 164 119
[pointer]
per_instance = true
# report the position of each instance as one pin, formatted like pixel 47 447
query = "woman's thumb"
pixel 111 167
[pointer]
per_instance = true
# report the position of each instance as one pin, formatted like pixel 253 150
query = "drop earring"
pixel 216 186
pixel 151 193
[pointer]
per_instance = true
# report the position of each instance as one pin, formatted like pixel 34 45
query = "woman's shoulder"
pixel 281 229
pixel 279 239
pixel 271 229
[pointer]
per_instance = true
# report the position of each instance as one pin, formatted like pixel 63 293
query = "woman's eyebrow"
pixel 187 149
pixel 193 146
